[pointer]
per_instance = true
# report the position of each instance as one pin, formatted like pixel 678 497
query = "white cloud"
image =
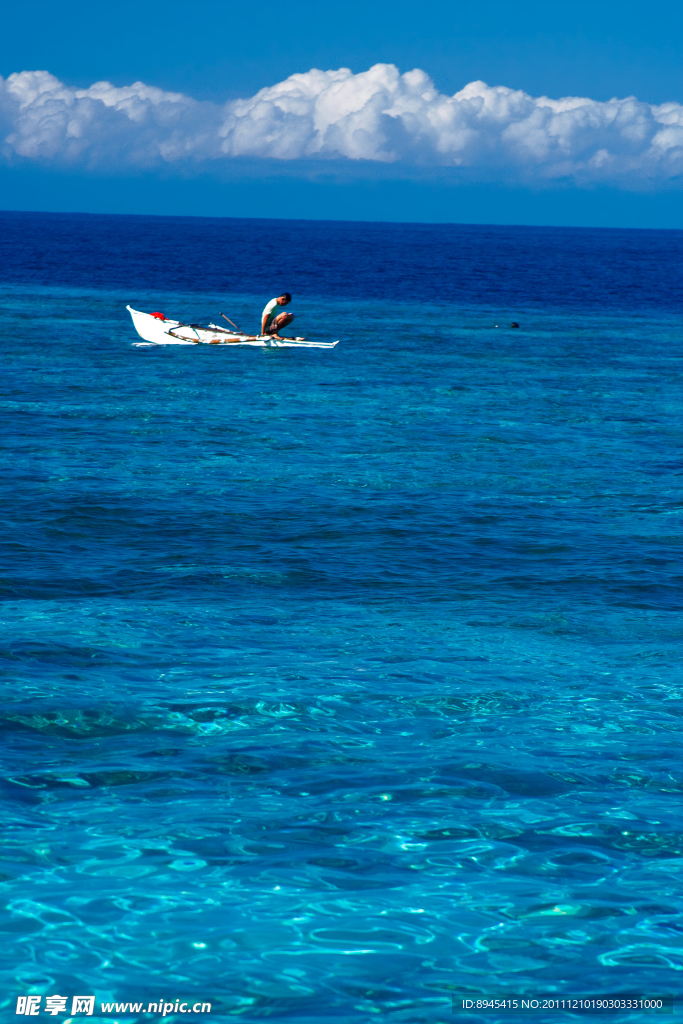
pixel 378 115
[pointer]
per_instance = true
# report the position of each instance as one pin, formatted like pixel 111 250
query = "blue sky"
pixel 512 167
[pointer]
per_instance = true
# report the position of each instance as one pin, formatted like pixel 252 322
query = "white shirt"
pixel 271 311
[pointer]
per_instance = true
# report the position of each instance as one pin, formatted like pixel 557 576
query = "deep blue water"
pixel 338 682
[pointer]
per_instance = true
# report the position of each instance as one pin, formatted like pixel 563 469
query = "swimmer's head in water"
pixel 513 324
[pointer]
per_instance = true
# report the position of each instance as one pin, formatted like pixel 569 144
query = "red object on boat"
pixel 158 316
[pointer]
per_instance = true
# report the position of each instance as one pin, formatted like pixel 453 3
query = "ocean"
pixel 344 684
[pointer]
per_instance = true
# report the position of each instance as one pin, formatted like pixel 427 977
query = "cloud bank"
pixel 378 116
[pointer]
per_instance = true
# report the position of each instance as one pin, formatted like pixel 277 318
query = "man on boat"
pixel 273 319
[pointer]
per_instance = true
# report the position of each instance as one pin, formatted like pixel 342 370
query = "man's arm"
pixel 264 320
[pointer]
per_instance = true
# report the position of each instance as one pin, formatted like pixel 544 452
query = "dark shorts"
pixel 272 327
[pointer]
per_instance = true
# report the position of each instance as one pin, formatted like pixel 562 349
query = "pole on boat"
pixel 230 322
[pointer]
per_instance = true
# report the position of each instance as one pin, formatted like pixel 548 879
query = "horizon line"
pixel 330 220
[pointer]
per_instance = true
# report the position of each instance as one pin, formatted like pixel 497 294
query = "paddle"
pixel 236 327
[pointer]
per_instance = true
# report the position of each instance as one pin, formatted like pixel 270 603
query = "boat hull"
pixel 154 331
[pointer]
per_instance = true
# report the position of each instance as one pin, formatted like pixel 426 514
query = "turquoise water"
pixel 336 683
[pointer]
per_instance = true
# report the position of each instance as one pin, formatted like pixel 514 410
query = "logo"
pixel 29 1006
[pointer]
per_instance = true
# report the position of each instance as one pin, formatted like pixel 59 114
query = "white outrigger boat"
pixel 155 329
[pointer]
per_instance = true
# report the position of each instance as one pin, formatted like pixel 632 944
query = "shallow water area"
pixel 339 682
